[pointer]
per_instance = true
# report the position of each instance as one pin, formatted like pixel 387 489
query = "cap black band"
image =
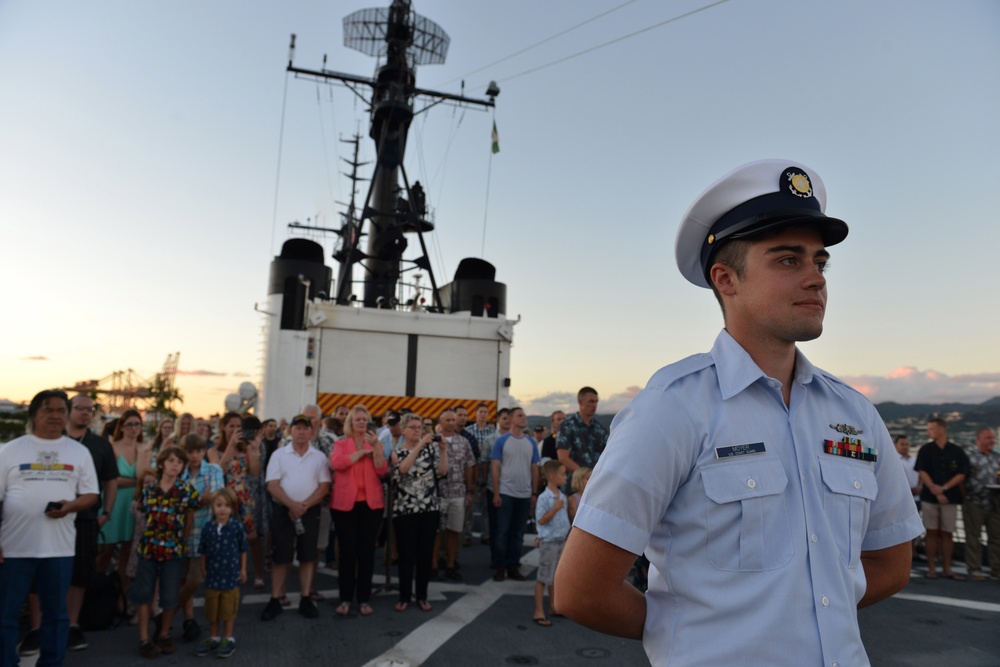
pixel 760 212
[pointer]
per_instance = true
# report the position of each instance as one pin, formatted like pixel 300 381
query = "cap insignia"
pixel 798 183
pixel 711 239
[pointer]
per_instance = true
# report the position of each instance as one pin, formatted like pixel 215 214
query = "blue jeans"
pixel 168 572
pixel 512 519
pixel 49 577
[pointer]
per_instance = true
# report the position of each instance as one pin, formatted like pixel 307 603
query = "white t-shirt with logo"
pixel 33 473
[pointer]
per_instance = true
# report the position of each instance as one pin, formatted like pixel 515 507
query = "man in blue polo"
pixel 764 491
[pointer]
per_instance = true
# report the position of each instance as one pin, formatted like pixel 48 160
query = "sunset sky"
pixel 142 197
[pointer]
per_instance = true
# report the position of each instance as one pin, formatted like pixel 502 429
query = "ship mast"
pixel 393 207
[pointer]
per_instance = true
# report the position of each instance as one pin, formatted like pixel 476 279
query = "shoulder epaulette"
pixel 667 375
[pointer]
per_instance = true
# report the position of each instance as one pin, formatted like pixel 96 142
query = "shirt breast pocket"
pixel 747 520
pixel 850 487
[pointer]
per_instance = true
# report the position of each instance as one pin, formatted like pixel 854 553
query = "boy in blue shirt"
pixel 224 556
pixel 552 518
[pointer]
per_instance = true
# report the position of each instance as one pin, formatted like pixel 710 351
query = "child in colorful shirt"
pixel 224 559
pixel 168 505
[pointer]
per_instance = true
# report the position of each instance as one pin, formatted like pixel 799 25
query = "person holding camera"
pixel 358 462
pixel 417 463
pixel 239 456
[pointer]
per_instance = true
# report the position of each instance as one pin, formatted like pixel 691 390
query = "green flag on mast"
pixel 496 138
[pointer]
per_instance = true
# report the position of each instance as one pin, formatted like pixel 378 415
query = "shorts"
pixel 148 572
pixel 940 517
pixel 194 573
pixel 221 605
pixel 285 544
pixel 548 557
pixel 85 557
pixel 452 514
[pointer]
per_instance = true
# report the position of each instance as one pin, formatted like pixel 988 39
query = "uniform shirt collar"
pixel 737 371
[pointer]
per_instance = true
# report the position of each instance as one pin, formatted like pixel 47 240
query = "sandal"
pixel 258 583
pixel 402 606
pixel 424 605
pixel 344 608
pixel 285 602
pixel 316 597
pixel 544 622
pixel 366 609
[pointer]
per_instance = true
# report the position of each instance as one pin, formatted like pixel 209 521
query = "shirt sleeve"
pixel 87 481
pixel 651 452
pixel 109 466
pixel 244 546
pixel 273 468
pixel 496 453
pixel 893 517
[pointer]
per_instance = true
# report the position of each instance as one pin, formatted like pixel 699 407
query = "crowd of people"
pixel 946 479
pixel 186 506
pixel 186 510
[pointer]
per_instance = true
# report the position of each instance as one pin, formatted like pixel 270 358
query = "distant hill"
pixel 891 410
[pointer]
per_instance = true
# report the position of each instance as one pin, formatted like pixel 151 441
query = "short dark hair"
pixel 584 391
pixel 733 254
pixel 901 436
pixel 193 442
pixel 503 411
pixel 440 414
pixel 940 422
pixel 482 405
pixel 551 467
pixel 268 421
pixel 515 409
pixel 557 412
pixel 39 400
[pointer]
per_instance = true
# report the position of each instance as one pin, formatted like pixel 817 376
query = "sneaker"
pixel 206 647
pixel 272 610
pixel 148 650
pixel 30 645
pixel 515 574
pixel 77 642
pixel 166 645
pixel 308 608
pixel 190 630
pixel 226 648
pixel 500 574
pixel 453 574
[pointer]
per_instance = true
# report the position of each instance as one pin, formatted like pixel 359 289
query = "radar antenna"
pixel 403 39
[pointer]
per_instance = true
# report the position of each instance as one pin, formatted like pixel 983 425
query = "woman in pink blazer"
pixel 358 462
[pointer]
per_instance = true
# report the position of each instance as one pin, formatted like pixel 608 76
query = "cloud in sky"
pixel 907 384
pixel 35 358
pixel 241 375
pixel 201 373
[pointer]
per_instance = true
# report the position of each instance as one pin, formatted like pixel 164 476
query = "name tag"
pixel 739 450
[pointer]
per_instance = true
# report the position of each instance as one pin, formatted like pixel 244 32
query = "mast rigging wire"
pixel 613 41
pixel 539 43
pixel 277 175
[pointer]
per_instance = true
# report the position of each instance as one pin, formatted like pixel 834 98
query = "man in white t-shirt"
pixel 298 478
pixel 45 479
